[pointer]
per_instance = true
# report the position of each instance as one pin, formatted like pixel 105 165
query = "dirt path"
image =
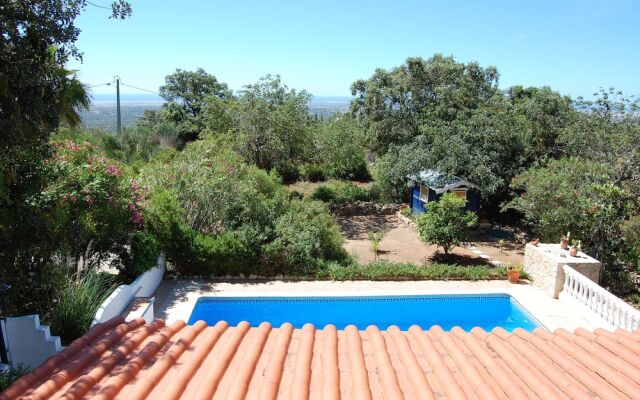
pixel 402 244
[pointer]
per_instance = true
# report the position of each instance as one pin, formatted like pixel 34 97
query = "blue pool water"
pixel 466 311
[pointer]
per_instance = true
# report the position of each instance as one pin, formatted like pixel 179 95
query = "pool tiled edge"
pixel 176 299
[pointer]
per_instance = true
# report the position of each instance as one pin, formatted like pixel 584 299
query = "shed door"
pixel 417 206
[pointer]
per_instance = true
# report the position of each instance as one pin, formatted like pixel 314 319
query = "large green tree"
pixel 393 105
pixel 186 93
pixel 543 116
pixel 36 94
pixel 338 149
pixel 594 188
pixel 272 124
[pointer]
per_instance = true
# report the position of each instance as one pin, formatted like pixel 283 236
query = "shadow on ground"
pixel 459 259
pixel 357 227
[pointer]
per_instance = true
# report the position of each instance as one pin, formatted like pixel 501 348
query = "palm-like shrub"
pixel 76 303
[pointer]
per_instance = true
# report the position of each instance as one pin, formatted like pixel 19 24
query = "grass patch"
pixel 388 271
pixel 11 375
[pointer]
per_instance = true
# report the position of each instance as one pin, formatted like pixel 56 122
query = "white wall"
pixel 144 286
pixel 150 280
pixel 28 342
pixel 115 304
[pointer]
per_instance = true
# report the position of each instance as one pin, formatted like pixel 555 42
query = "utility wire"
pixel 98 5
pixel 101 84
pixel 139 88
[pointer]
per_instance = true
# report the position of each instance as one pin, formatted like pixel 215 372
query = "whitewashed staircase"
pixel 27 341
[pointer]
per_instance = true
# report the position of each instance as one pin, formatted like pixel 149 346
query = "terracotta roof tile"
pixel 134 360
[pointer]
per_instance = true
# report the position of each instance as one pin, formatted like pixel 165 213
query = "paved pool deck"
pixel 175 299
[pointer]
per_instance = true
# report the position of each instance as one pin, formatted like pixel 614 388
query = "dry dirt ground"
pixel 402 244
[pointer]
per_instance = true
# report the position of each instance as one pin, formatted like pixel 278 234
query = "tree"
pixel 574 195
pixel 544 115
pixel 338 149
pixel 190 88
pixel 393 105
pixel 607 130
pixel 272 123
pixel 487 147
pixel 186 93
pixel 446 223
pixel 36 93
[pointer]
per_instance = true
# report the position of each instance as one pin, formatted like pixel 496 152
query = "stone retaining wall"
pixel 544 264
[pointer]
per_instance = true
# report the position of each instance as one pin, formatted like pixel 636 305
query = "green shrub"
pixel 77 302
pixel 142 255
pixel 306 235
pixel 407 212
pixel 339 193
pixel 312 173
pixel 446 223
pixel 190 251
pixel 296 195
pixel 385 270
pixel 213 214
pixel 288 172
pixel 218 255
pixel 11 375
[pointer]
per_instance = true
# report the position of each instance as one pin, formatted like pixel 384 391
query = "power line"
pixel 139 88
pixel 98 5
pixel 101 84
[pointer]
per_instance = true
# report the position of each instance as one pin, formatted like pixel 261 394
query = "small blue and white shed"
pixel 429 185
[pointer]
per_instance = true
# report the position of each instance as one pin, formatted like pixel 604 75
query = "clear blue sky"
pixel 323 46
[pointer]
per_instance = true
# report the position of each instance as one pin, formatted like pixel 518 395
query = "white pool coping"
pixel 176 299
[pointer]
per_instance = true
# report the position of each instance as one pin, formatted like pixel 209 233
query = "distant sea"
pixel 102 113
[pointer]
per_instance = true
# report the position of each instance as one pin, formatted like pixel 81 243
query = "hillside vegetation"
pixel 202 178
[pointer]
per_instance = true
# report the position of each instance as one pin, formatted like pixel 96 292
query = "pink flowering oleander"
pixel 112 169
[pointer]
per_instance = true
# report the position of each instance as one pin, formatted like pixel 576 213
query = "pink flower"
pixel 89 200
pixel 112 169
pixel 137 218
pixel 64 198
pixel 132 207
pixel 74 198
pixel 134 185
pixel 73 147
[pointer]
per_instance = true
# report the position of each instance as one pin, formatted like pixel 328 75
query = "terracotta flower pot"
pixel 564 244
pixel 514 276
pixel 535 242
pixel 573 252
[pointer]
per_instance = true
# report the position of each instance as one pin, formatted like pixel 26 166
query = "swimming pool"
pixel 466 311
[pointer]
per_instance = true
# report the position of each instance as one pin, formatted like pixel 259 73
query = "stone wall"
pixel 544 264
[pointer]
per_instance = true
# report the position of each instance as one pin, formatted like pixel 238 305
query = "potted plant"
pixel 564 241
pixel 535 241
pixel 573 251
pixel 513 272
